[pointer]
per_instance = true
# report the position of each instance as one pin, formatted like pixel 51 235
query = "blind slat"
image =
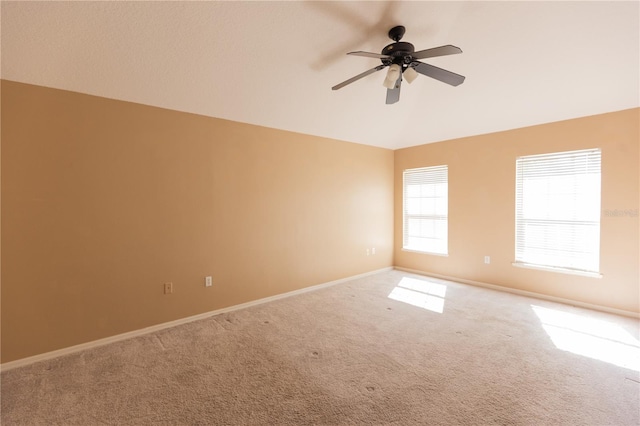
pixel 558 210
pixel 425 205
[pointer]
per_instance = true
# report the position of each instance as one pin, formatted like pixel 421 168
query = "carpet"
pixel 389 349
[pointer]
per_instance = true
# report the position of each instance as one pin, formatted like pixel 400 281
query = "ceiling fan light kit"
pixel 402 59
pixel 410 74
pixel 392 76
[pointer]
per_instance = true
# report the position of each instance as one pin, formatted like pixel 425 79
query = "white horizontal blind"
pixel 558 210
pixel 425 209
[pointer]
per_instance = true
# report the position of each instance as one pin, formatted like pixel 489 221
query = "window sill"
pixel 559 270
pixel 425 252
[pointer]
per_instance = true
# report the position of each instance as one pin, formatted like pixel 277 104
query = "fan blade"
pixel 370 55
pixel 437 51
pixel 439 74
pixel 393 95
pixel 357 77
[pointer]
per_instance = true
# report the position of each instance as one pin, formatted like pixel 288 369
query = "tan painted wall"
pixel 482 207
pixel 103 201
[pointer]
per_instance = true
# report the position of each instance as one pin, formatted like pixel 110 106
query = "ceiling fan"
pixel 402 59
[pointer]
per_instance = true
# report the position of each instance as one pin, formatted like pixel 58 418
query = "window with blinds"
pixel 558 211
pixel 425 209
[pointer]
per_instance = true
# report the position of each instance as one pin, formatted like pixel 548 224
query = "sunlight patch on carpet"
pixel 421 293
pixel 590 337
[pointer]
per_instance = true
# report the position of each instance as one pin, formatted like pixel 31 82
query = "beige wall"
pixel 482 200
pixel 103 201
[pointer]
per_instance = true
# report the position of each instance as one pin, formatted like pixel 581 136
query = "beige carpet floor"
pixel 388 349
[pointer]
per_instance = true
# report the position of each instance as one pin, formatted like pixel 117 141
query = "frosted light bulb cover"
pixel 410 74
pixel 392 76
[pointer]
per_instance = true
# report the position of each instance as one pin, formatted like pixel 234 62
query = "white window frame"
pixel 558 212
pixel 425 199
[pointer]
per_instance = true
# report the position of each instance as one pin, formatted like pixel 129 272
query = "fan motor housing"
pixel 399 51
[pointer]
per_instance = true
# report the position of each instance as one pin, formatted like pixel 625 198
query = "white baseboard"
pixel 525 293
pixel 124 336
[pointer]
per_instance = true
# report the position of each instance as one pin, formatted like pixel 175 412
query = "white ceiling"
pixel 273 63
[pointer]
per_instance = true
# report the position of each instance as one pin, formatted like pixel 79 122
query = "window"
pixel 558 211
pixel 425 208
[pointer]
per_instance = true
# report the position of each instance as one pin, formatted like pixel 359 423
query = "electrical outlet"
pixel 208 282
pixel 373 250
pixel 487 259
pixel 168 288
pixel 367 252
